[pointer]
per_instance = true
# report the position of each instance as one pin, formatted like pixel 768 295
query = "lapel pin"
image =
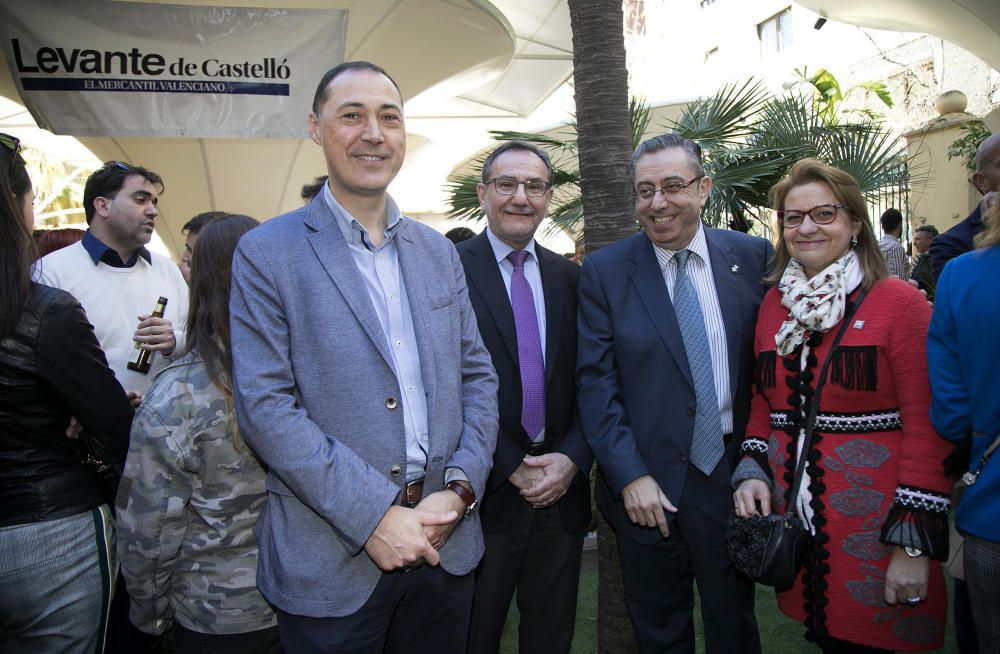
pixel 735 268
pixel 858 324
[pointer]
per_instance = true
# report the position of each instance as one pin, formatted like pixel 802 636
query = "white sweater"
pixel 115 297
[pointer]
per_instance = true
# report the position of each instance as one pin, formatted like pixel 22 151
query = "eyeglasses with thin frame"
pixel 508 186
pixel 822 214
pixel 646 193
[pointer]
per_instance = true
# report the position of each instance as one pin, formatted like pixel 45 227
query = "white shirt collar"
pixel 698 245
pixel 501 249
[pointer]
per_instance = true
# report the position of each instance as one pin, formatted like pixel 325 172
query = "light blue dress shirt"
pixel 379 268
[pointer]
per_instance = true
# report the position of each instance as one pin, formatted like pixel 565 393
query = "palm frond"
pixel 638 118
pixel 722 119
pixel 872 156
pixel 541 140
pixel 463 200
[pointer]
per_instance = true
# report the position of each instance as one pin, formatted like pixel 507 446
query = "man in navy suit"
pixel 361 382
pixel 537 501
pixel 958 239
pixel 666 328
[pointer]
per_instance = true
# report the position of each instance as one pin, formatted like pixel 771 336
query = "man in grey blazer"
pixel 361 382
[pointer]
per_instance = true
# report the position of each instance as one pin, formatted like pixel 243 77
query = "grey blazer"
pixel 317 399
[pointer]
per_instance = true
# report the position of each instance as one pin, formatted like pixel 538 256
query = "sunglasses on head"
pixel 13 144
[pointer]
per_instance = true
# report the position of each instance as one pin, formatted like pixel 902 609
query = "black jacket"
pixel 495 318
pixel 52 368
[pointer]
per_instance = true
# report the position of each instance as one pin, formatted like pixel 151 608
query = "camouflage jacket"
pixel 187 505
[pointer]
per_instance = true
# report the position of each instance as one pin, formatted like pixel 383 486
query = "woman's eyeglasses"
pixel 823 214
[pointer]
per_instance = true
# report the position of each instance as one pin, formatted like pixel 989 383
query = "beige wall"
pixel 947 197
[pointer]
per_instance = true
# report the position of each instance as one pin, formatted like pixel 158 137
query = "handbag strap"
pixel 814 407
pixel 984 459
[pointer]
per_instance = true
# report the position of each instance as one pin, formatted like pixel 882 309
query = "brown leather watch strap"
pixel 459 489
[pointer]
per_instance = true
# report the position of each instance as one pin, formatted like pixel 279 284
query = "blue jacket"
pixel 963 359
pixel 316 397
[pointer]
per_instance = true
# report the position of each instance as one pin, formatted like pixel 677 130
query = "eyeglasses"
pixel 122 165
pixel 508 186
pixel 823 214
pixel 646 193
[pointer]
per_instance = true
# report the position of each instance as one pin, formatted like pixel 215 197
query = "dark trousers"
pixel 965 628
pixel 123 637
pixel 535 556
pixel 423 610
pixel 659 578
pixel 264 641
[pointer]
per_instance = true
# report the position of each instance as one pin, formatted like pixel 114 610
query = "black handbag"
pixel 769 549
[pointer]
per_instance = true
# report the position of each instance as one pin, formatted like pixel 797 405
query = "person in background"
pixel 950 244
pixel 892 249
pixel 965 407
pixel 191 230
pixel 312 189
pixel 192 489
pixel 57 561
pixel 116 278
pixel 875 497
pixel 50 240
pixel 580 251
pixel 959 239
pixel 920 270
pixel 459 234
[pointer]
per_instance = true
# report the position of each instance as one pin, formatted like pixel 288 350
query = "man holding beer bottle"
pixel 117 280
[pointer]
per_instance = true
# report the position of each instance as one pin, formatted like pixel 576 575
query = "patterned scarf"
pixel 817 304
pixel 814 305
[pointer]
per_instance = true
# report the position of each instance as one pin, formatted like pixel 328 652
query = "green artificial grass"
pixel 779 633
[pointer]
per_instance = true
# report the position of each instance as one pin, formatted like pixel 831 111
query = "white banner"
pixel 96 68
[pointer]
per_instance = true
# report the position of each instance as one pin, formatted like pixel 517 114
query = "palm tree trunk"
pixel 604 147
pixel 604 140
pixel 614 629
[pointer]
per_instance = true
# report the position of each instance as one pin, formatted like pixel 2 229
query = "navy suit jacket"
pixel 562 429
pixel 317 398
pixel 637 399
pixel 955 241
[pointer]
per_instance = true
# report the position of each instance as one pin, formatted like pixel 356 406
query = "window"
pixel 775 33
pixel 635 16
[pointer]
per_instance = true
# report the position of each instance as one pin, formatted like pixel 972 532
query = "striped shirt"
pixel 700 271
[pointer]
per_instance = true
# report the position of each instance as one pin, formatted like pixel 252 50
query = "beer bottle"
pixel 141 359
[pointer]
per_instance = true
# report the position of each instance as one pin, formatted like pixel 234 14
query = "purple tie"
pixel 529 348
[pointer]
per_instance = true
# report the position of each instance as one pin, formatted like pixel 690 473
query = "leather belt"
pixel 412 493
pixel 539 448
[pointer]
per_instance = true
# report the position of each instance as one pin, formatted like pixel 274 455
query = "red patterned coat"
pixel 876 473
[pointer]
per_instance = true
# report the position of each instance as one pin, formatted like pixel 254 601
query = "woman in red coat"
pixel 875 498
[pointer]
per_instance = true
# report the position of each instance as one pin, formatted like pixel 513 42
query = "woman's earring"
pixel 854 240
